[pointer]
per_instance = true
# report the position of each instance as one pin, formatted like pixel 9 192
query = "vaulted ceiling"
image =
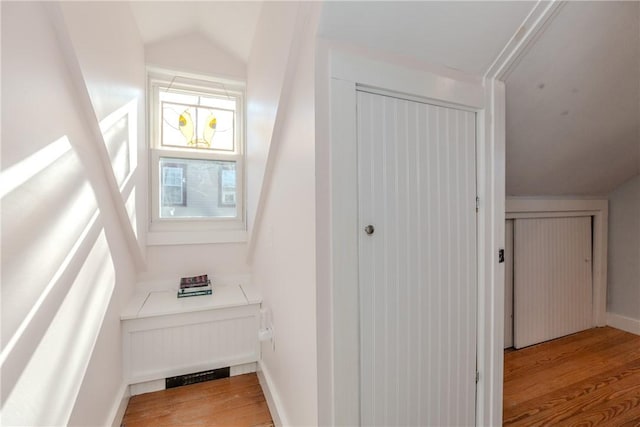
pixel 573 103
pixel 229 25
pixel 573 100
pixel 466 36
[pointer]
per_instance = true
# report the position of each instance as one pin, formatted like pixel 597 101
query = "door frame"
pixel 338 363
pixel 523 207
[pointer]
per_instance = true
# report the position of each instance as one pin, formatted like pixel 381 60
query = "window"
pixel 174 186
pixel 197 147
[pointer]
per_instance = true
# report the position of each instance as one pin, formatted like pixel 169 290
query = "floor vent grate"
pixel 197 377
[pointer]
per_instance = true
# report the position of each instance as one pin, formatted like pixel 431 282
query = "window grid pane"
pixel 174 185
pixel 192 126
pixel 195 188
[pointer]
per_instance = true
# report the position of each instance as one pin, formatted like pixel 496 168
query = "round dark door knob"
pixel 369 229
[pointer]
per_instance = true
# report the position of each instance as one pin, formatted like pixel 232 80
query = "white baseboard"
pixel 147 387
pixel 245 368
pixel 624 323
pixel 120 406
pixel 273 400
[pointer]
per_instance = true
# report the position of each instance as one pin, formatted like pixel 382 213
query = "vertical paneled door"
pixel 417 262
pixel 553 293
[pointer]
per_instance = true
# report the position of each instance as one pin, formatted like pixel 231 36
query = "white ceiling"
pixel 466 36
pixel 230 25
pixel 573 104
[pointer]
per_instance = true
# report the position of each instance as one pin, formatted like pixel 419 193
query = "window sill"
pixel 161 238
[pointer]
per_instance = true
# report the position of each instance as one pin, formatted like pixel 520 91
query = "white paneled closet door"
pixel 417 264
pixel 552 278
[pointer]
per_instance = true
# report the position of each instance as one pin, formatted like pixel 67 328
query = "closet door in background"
pixel 552 278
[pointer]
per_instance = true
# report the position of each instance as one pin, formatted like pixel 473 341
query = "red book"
pixel 194 282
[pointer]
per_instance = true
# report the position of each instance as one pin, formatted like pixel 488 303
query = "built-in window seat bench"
pixel 164 336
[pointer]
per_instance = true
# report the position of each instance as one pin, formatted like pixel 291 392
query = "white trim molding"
pixel 528 32
pixel 147 387
pixel 191 237
pixel 273 399
pixel 119 406
pixel 491 216
pixel 517 207
pixel 491 224
pixel 624 323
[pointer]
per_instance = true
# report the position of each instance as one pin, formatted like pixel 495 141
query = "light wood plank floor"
pixel 234 401
pixel 586 379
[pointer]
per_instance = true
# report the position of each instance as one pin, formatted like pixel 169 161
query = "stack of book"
pixel 194 286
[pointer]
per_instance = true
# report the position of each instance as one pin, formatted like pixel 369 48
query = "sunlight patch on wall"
pixel 119 130
pixel 117 142
pixel 47 389
pixel 120 134
pixel 16 175
pixel 130 205
pixel 55 285
pixel 43 216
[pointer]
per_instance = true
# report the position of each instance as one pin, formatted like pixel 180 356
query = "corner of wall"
pixel 284 238
pixel 623 275
pixel 623 323
pixel 269 78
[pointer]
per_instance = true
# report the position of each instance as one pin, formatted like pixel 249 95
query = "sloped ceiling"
pixel 230 25
pixel 573 100
pixel 466 36
pixel 573 104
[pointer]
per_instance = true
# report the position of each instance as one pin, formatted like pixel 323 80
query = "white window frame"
pixel 194 230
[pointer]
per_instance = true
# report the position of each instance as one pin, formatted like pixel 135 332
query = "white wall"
pixel 68 258
pixel 195 53
pixel 110 56
pixel 623 293
pixel 266 92
pixel 222 261
pixel 284 257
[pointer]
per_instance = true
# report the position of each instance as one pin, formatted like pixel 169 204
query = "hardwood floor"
pixel 234 401
pixel 586 379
